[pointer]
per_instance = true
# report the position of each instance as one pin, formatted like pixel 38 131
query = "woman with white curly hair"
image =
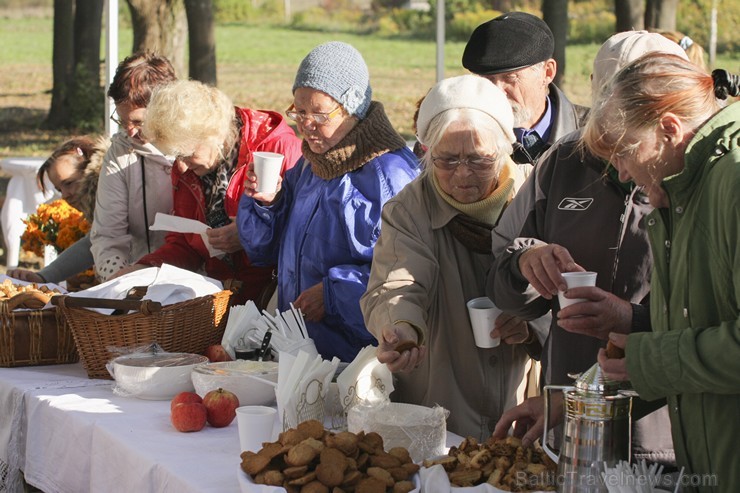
pixel 213 143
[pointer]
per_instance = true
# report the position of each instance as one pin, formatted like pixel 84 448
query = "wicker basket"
pixel 188 327
pixel 34 337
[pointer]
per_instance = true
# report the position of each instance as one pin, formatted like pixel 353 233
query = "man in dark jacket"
pixel 514 51
pixel 574 210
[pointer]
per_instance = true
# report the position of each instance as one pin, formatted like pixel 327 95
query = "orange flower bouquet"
pixel 57 224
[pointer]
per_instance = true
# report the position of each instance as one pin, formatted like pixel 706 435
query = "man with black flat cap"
pixel 514 51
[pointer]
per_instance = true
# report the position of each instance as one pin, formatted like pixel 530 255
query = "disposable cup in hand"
pixel 483 314
pixel 576 280
pixel 255 426
pixel 267 166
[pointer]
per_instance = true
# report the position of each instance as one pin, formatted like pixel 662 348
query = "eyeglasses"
pixel 318 118
pixel 126 123
pixel 474 163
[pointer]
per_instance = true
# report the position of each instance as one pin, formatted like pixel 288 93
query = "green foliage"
pixel 334 21
pixel 246 11
pixel 694 19
pixel 589 25
pixel 406 23
pixel 462 24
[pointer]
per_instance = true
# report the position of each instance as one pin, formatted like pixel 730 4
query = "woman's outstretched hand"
pixel 398 348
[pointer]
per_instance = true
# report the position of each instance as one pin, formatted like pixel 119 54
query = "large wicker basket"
pixel 189 327
pixel 34 337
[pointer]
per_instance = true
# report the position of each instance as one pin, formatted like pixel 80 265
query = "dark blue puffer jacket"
pixel 325 231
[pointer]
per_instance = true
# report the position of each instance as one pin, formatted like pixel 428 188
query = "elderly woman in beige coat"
pixel 433 255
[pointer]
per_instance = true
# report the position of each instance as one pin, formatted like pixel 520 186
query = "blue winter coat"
pixel 325 231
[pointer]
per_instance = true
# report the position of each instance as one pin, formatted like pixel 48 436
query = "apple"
pixel 216 352
pixel 184 397
pixel 221 407
pixel 189 416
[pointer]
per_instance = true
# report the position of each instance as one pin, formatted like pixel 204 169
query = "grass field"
pixel 256 66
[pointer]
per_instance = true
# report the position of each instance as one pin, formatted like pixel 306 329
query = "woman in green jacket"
pixel 659 122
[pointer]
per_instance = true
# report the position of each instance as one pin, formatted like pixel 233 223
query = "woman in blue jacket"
pixel 322 224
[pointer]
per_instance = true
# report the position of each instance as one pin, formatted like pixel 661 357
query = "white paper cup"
pixel 576 280
pixel 267 166
pixel 255 426
pixel 483 314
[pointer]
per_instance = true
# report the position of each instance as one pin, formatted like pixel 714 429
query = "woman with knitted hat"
pixel 433 255
pixel 321 225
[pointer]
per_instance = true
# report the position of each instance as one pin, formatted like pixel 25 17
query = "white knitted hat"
pixel 466 91
pixel 626 47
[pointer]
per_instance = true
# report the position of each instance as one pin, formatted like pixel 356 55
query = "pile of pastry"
pixel 503 463
pixel 310 459
pixel 31 296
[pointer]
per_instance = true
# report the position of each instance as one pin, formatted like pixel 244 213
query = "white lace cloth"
pixel 69 434
pixel 15 383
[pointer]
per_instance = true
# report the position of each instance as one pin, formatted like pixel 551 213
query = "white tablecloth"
pixel 71 434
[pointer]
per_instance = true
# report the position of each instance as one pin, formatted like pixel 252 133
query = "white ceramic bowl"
pixel 237 377
pixel 154 376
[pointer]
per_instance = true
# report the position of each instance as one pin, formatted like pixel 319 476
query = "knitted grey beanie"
pixel 337 69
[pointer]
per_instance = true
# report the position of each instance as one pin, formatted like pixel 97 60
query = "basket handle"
pixel 144 306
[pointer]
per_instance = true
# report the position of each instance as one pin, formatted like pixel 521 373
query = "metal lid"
pixel 595 381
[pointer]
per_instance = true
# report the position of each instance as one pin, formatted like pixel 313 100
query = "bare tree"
pixel 555 14
pixel 202 40
pixel 651 15
pixel 630 14
pixel 160 26
pixel 661 14
pixel 77 98
pixel 62 63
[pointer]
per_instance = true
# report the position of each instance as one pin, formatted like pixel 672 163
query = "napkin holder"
pixel 364 380
pixel 308 405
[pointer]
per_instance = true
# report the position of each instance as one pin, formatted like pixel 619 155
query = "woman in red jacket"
pixel 212 142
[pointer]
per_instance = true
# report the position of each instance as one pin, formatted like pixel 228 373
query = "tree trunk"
pixel 77 98
pixel 202 38
pixel 661 14
pixel 62 63
pixel 555 14
pixel 87 101
pixel 630 15
pixel 160 26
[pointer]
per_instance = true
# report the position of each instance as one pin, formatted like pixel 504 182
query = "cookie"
pixel 614 352
pixel 407 345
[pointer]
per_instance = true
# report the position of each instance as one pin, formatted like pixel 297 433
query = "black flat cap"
pixel 509 42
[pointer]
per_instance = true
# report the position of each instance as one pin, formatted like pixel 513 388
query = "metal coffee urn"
pixel 596 430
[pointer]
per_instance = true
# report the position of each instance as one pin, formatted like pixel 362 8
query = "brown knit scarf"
pixel 373 136
pixel 475 235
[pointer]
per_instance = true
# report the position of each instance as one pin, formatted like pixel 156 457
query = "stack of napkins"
pixel 241 327
pixel 289 333
pixel 303 382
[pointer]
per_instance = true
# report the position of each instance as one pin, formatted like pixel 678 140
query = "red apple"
pixel 189 416
pixel 216 352
pixel 184 397
pixel 221 406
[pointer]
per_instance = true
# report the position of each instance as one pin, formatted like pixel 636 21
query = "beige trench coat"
pixel 423 275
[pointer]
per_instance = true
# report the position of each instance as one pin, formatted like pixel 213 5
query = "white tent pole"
pixel 440 40
pixel 111 60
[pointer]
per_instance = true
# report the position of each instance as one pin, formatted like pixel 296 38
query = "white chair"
pixel 21 199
